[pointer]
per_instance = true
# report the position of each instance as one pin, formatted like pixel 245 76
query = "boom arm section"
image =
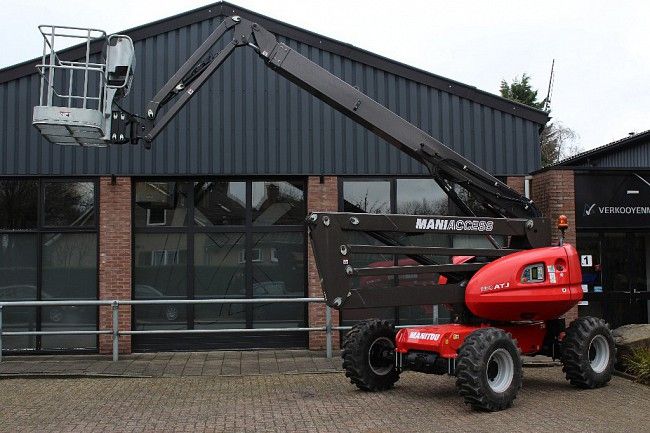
pixel 447 167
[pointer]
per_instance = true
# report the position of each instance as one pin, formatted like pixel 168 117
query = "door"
pixel 615 275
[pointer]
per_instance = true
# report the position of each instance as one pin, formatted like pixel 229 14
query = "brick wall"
pixel 320 197
pixel 517 183
pixel 115 256
pixel 553 192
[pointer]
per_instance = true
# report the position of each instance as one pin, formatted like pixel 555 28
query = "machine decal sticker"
pixel 455 225
pixel 416 335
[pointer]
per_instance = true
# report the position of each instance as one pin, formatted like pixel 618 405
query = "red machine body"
pixel 522 289
pixel 537 284
pixel 445 340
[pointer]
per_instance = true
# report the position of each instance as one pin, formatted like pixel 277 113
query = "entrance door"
pixel 615 273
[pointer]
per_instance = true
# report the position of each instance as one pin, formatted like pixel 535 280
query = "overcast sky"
pixel 601 48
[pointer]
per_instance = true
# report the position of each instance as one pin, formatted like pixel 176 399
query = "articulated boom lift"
pixel 506 297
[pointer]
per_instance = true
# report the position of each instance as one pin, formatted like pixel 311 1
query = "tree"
pixel 557 141
pixel 521 91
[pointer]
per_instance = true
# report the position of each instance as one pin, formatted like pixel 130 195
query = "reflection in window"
pixel 69 266
pixel 69 204
pixel 278 203
pixel 160 273
pixel 18 271
pixel 366 196
pixel 161 204
pixel 161 264
pixel 420 197
pixel 218 265
pixel 69 272
pixel 219 203
pixel 219 273
pixel 18 204
pixel 284 277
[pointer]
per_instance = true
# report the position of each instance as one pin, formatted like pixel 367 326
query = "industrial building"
pixel 216 208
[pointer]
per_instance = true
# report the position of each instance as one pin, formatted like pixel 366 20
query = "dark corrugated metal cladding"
pixel 247 120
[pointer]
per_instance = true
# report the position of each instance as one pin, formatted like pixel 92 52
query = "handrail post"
pixel 0 333
pixel 116 330
pixel 328 331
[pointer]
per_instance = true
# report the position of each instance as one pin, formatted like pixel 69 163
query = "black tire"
pixel 364 360
pixel 588 353
pixel 488 370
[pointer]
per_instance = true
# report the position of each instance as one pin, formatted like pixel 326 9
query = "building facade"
pixel 606 194
pixel 216 208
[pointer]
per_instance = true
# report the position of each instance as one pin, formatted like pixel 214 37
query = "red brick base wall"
pixel 517 183
pixel 320 197
pixel 115 257
pixel 553 192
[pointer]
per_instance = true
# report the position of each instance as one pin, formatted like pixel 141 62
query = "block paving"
pixel 286 391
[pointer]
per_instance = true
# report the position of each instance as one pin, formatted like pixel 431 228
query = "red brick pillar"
pixel 517 183
pixel 115 257
pixel 553 192
pixel 320 197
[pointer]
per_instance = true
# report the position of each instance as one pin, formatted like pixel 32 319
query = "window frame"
pixel 248 228
pixel 41 231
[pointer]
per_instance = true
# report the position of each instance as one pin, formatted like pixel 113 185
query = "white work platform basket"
pixel 76 96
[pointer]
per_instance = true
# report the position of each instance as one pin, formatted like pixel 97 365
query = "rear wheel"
pixel 488 370
pixel 588 353
pixel 369 355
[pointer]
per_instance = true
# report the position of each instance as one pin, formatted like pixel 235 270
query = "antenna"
pixel 547 100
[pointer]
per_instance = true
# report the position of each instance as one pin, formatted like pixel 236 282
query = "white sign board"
pixel 586 260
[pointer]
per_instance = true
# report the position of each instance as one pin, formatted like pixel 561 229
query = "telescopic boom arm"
pixel 447 167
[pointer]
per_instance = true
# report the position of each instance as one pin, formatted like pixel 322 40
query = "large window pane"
pixel 18 276
pixel 160 204
pixel 420 197
pixel 219 203
pixel 278 203
pixel 69 272
pixel 69 203
pixel 278 272
pixel 219 266
pixel 18 204
pixel 366 196
pixel 160 273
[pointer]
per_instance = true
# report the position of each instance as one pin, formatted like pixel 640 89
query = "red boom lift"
pixel 506 299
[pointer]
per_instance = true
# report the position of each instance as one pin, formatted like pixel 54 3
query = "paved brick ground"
pixel 310 403
pixel 172 364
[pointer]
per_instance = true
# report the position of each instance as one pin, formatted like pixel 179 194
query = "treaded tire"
pixel 577 361
pixel 476 380
pixel 359 348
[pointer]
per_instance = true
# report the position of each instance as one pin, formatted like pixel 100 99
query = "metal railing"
pixel 115 332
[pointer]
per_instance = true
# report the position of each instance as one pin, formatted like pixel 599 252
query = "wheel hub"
pixel 380 357
pixel 500 370
pixel 598 353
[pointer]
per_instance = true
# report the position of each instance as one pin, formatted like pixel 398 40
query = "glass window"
pixel 278 203
pixel 69 272
pixel 69 204
pixel 420 197
pixel 219 273
pixel 219 203
pixel 18 204
pixel 18 268
pixel 160 273
pixel 161 203
pixel 366 196
pixel 279 273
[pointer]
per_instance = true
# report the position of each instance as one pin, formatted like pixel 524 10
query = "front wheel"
pixel 488 370
pixel 369 355
pixel 588 353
